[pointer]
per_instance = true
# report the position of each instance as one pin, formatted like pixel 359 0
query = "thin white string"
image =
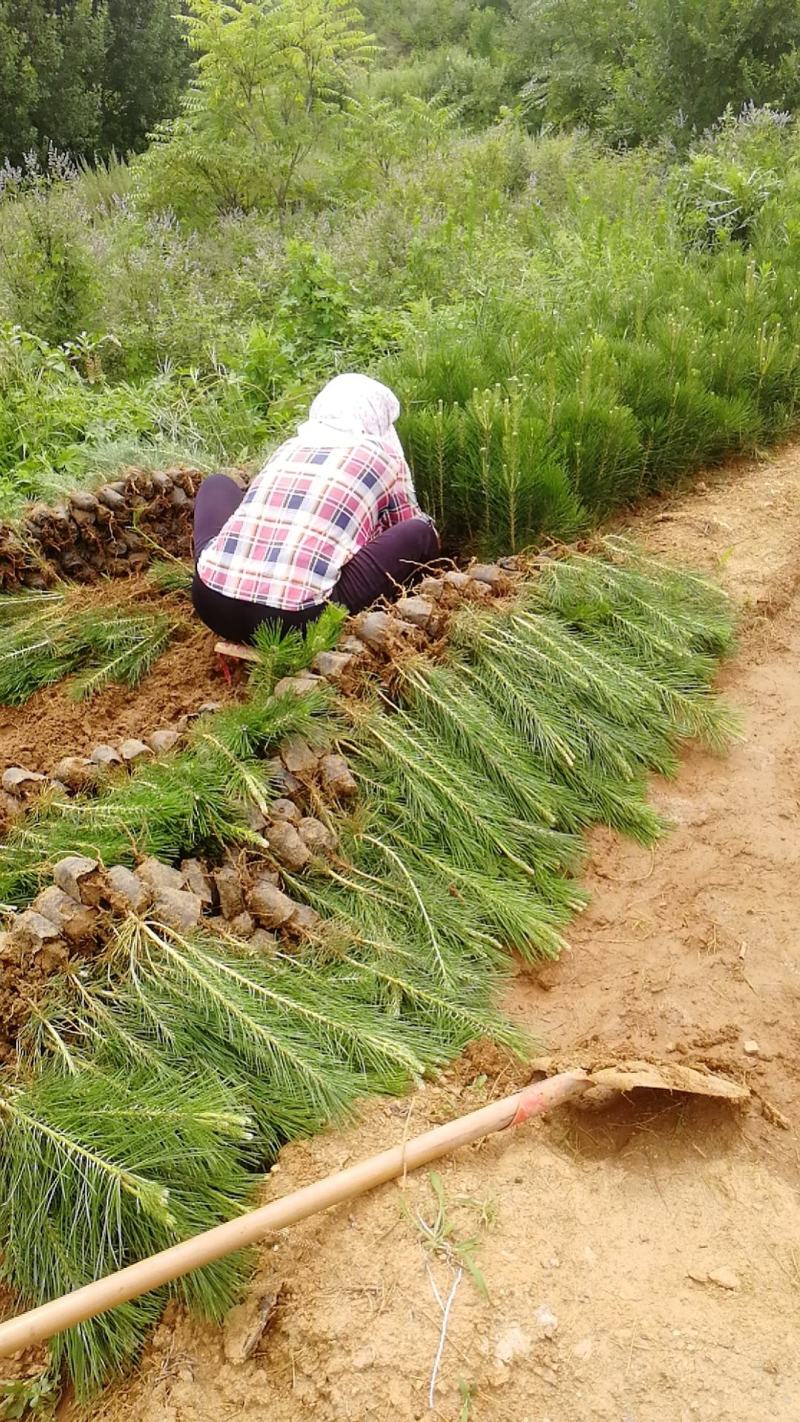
pixel 443 1335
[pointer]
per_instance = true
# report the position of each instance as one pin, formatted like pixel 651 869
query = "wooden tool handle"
pixel 59 1314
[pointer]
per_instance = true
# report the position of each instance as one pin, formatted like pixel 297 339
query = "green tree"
pixel 68 112
pixel 566 55
pixel 418 25
pixel 19 85
pixel 272 80
pixel 87 75
pixel 660 67
pixel 146 69
pixel 51 65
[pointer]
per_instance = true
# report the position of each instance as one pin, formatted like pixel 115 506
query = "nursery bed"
pixel 610 1222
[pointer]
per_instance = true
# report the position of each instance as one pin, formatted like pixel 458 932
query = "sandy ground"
pixel 640 1263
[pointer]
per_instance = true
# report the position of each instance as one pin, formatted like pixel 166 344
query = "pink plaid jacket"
pixel 302 518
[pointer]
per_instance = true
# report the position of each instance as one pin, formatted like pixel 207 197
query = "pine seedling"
pixel 46 637
pixel 282 653
pixel 460 717
pixel 317 1043
pixel 447 823
pixel 213 1006
pixel 99 1169
pixel 193 799
pixel 171 575
pixel 460 806
pixel 649 614
pixel 120 650
pixel 24 606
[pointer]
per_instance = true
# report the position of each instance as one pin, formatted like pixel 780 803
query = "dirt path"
pixel 595 1233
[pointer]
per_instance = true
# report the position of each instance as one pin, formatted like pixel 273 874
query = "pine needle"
pixel 46 637
pixel 172 575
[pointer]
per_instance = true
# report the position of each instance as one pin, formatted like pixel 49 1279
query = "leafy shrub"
pixel 47 268
pixel 717 199
pixel 268 91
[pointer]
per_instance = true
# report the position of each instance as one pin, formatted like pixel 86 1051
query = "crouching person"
pixel 332 517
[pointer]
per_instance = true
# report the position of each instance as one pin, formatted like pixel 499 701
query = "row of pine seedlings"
pixel 307 895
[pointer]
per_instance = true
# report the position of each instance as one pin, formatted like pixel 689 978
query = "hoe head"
pixel 672 1076
pixel 621 1077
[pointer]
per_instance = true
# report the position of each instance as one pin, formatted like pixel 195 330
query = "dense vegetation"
pixel 87 77
pixel 571 315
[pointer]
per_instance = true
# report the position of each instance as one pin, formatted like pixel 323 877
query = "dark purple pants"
pixel 393 559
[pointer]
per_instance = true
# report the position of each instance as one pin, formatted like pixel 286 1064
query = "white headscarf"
pixel 351 407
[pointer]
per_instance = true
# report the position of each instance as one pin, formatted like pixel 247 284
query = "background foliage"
pixel 87 76
pixel 573 258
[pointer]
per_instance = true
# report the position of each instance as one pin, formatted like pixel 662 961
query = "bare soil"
pixel 51 725
pixel 642 1263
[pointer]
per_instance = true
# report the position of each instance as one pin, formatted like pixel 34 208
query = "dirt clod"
pixel 288 847
pixel 283 780
pixel 332 665
pixel 283 809
pixel 69 874
pixel 455 579
pixel 269 905
pixel 513 1344
pixel 724 1278
pixel 11 808
pixel 489 573
pixel 263 942
pixel 244 1326
pixel 295 685
pixel 127 890
pixel 17 780
pixel 76 922
pixel 419 611
pixel 337 777
pixel 376 630
pixel 178 907
pixel 546 1321
pixel 229 891
pixel 32 931
pixel 132 749
pixel 159 876
pixel 316 836
pixel 105 755
pixel 76 772
pixel 299 758
pixel 430 588
pixel 197 879
pixel 304 920
pixel 163 740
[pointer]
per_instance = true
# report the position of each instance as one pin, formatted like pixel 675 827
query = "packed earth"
pixel 637 1258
